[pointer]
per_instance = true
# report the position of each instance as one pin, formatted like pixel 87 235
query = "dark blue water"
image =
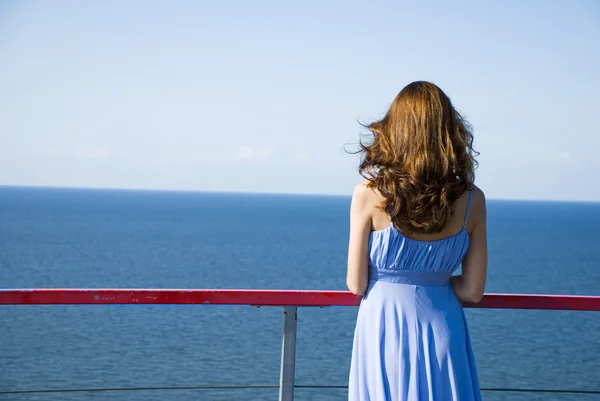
pixel 100 238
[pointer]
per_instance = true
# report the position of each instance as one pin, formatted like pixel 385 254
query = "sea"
pixel 85 238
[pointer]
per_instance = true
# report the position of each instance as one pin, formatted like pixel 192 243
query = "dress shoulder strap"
pixel 468 208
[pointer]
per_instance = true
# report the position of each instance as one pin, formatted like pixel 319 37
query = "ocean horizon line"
pixel 257 193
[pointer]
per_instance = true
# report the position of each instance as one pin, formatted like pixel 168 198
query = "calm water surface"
pixel 100 238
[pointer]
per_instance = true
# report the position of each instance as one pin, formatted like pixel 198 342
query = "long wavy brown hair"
pixel 421 158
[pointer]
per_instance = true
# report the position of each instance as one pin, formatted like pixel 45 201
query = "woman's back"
pixel 381 219
pixel 395 257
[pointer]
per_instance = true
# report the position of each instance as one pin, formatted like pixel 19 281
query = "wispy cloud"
pixel 253 154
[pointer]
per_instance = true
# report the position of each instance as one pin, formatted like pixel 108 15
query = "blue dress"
pixel 411 341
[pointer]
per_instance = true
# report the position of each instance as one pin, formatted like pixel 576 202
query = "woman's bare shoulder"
pixel 478 192
pixel 367 194
pixel 478 195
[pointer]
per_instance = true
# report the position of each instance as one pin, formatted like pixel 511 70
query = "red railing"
pixel 290 300
pixel 265 298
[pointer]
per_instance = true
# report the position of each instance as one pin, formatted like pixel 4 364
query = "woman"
pixel 415 219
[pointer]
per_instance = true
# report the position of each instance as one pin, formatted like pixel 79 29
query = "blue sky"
pixel 262 96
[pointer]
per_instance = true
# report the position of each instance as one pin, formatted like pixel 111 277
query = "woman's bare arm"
pixel 470 285
pixel 360 227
